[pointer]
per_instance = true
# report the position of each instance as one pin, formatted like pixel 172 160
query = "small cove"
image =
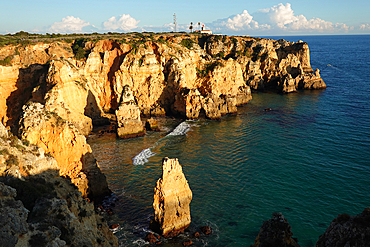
pixel 307 157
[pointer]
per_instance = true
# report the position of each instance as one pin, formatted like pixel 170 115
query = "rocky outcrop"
pixel 172 196
pixel 68 96
pixel 64 142
pixel 275 232
pixel 151 124
pixel 40 208
pixel 128 116
pixel 346 230
pixel 13 220
pixel 268 64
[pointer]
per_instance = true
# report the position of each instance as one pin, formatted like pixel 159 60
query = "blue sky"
pixel 226 17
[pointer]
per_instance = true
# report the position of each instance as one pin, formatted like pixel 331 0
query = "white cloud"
pixel 365 27
pixel 69 24
pixel 282 17
pixel 277 19
pixel 123 23
pixel 237 23
pixel 240 22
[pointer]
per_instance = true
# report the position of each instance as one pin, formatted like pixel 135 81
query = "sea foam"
pixel 181 129
pixel 144 155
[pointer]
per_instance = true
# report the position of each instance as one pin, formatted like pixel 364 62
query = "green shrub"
pixel 12 160
pixel 210 67
pixel 188 43
pixel 78 49
pixel 6 61
pixel 4 152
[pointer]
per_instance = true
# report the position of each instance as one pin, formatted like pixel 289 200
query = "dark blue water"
pixel 308 158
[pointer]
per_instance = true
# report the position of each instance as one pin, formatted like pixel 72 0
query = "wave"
pixel 181 129
pixel 144 155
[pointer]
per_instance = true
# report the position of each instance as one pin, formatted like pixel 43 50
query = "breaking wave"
pixel 181 129
pixel 144 155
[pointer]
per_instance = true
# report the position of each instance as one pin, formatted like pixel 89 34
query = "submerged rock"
pixel 172 196
pixel 347 230
pixel 275 232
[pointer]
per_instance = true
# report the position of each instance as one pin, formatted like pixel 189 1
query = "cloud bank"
pixel 279 19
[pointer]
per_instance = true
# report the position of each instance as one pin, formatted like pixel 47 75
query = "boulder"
pixel 275 232
pixel 128 116
pixel 172 196
pixel 151 124
pixel 206 230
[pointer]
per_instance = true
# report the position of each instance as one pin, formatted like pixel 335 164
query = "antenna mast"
pixel 175 21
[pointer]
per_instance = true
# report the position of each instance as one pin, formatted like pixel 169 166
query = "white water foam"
pixel 142 157
pixel 181 129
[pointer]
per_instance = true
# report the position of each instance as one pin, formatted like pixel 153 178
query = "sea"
pixel 308 158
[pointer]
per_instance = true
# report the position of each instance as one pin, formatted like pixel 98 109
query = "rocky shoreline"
pixel 52 95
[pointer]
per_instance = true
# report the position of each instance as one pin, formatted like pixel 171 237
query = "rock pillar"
pixel 128 116
pixel 172 196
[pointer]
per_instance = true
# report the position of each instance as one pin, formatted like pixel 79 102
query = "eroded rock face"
pixel 40 208
pixel 13 220
pixel 172 196
pixel 128 116
pixel 64 142
pixel 275 232
pixel 346 230
pixel 210 78
pixel 68 96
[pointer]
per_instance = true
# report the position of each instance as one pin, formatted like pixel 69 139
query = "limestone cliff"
pixel 67 145
pixel 172 196
pixel 188 75
pixel 40 208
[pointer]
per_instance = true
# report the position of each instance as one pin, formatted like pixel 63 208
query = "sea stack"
pixel 128 116
pixel 275 232
pixel 172 196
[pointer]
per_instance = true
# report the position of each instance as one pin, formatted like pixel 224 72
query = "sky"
pixel 237 17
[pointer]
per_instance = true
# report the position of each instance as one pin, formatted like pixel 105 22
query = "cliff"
pixel 188 75
pixel 40 208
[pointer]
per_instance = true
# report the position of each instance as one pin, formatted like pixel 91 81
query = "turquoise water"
pixel 307 158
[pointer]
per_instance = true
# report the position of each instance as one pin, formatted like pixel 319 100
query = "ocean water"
pixel 308 158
